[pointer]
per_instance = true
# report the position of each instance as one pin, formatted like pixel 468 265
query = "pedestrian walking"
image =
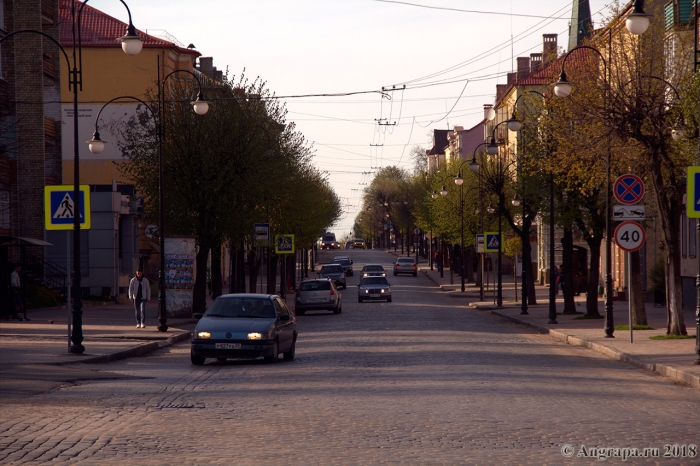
pixel 557 279
pixel 140 293
pixel 438 261
pixel 16 294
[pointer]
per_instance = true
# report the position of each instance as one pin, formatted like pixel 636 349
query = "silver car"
pixel 405 265
pixel 335 272
pixel 373 270
pixel 373 289
pixel 317 294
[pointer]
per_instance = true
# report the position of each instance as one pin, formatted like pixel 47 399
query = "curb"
pixel 134 351
pixel 661 369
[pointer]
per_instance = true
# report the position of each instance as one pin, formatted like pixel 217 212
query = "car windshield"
pixel 405 261
pixel 373 268
pixel 248 307
pixel 332 269
pixel 342 261
pixel 323 285
pixel 374 281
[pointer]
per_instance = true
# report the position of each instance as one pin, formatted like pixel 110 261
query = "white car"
pixel 405 265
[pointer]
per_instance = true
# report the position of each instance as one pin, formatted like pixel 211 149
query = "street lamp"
pixel 131 45
pixel 637 23
pixel 96 146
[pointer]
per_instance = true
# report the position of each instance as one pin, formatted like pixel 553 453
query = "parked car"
pixel 373 270
pixel 346 263
pixel 328 241
pixel 359 243
pixel 335 272
pixel 405 265
pixel 244 326
pixel 373 288
pixel 317 294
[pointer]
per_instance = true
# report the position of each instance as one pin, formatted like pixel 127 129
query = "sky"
pixel 450 54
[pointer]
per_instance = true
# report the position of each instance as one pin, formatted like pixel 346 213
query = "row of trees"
pixel 241 163
pixel 628 102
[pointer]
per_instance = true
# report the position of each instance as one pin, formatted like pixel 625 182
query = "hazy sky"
pixel 449 60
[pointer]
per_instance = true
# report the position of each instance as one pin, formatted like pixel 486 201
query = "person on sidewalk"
pixel 140 293
pixel 16 296
pixel 438 261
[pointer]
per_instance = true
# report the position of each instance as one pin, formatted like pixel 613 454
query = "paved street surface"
pixel 426 379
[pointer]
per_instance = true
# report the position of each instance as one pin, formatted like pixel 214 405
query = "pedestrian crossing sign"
pixel 494 242
pixel 693 195
pixel 59 207
pixel 284 244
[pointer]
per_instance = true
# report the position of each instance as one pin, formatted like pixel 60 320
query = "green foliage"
pixel 513 246
pixel 634 327
pixel 40 296
pixel 657 276
pixel 673 337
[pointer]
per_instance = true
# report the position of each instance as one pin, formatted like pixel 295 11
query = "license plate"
pixel 374 295
pixel 228 346
pixel 316 300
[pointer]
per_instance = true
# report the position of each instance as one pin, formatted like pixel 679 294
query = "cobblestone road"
pixel 421 380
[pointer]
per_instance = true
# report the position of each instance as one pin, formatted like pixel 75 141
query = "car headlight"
pixel 254 336
pixel 203 335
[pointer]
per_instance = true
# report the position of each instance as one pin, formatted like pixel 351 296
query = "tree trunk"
pixel 594 243
pixel 253 269
pixel 567 272
pixel 272 273
pixel 216 279
pixel 470 267
pixel 199 293
pixel 639 313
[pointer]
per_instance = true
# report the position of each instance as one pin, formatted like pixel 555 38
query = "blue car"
pixel 244 326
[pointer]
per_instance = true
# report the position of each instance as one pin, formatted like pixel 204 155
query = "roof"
pixel 98 29
pixel 440 136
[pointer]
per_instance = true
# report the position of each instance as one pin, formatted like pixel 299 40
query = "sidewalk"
pixel 109 334
pixel 670 358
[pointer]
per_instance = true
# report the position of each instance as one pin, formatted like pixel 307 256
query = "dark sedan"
pixel 373 289
pixel 335 272
pixel 244 326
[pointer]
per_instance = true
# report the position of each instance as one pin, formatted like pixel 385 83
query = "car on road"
pixel 359 243
pixel 328 241
pixel 244 326
pixel 346 263
pixel 405 265
pixel 348 245
pixel 317 294
pixel 373 289
pixel 373 270
pixel 335 272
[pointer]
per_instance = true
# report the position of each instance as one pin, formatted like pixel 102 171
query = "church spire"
pixel 581 25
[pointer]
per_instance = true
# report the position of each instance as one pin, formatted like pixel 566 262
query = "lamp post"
pixel 492 149
pixel 459 181
pixel 131 45
pixel 96 145
pixel 637 23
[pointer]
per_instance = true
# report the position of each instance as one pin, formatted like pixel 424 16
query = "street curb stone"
pixel 661 369
pixel 135 351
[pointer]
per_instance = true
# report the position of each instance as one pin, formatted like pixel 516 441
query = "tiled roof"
pixel 99 29
pixel 550 73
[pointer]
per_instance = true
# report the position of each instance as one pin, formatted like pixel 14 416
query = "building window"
pixel 693 237
pixel 684 235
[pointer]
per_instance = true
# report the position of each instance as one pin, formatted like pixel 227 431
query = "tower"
pixel 581 25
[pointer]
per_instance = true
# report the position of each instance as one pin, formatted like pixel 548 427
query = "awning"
pixel 18 241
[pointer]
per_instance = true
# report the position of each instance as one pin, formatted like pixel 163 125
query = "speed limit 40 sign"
pixel 629 236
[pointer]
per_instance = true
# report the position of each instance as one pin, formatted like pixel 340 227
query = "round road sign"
pixel 629 236
pixel 628 189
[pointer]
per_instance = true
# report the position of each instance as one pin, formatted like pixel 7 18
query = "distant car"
pixel 335 272
pixel 342 257
pixel 244 326
pixel 346 263
pixel 358 243
pixel 328 241
pixel 373 270
pixel 348 245
pixel 405 265
pixel 317 294
pixel 373 288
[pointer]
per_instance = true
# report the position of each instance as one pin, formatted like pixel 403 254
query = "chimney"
pixel 523 67
pixel 535 62
pixel 206 65
pixel 500 90
pixel 511 78
pixel 549 47
pixel 219 75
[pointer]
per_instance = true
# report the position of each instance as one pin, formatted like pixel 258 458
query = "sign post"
pixel 629 236
pixel 628 189
pixel 494 242
pixel 59 207
pixel 693 194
